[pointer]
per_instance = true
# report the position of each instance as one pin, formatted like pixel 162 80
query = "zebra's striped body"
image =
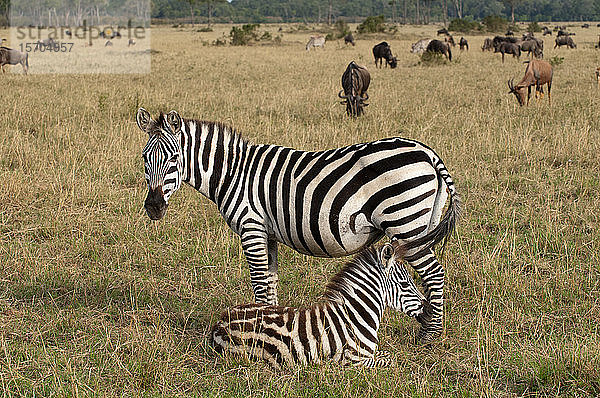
pixel 343 327
pixel 315 41
pixel 330 203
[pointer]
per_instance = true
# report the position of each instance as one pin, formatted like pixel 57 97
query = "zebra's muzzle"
pixel 155 204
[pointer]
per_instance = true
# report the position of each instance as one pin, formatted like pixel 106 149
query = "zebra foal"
pixel 329 203
pixel 343 327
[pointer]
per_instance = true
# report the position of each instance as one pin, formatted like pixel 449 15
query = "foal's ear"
pixel 143 119
pixel 175 121
pixel 386 254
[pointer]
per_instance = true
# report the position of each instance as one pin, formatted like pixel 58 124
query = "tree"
pixel 192 3
pixel 512 4
pixel 210 8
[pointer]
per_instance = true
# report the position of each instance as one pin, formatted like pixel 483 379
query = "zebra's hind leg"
pixel 431 272
pixel 263 276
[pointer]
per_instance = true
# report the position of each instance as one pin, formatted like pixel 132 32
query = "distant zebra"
pixel 328 204
pixel 315 41
pixel 343 327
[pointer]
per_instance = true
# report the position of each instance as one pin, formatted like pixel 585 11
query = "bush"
pixel 555 61
pixel 372 25
pixel 495 23
pixel 432 59
pixel 341 29
pixel 534 27
pixel 244 35
pixel 463 25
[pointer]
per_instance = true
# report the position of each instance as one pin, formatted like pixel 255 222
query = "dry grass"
pixel 95 299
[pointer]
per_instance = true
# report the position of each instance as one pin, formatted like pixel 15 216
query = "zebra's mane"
pixel 368 258
pixel 223 128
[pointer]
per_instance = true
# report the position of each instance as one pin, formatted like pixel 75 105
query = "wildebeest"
pixel 497 40
pixel 564 41
pixel 546 31
pixel 509 33
pixel 585 26
pixel 508 48
pixel 443 31
pixel 349 39
pixel 598 76
pixel 563 32
pixel 450 40
pixel 355 83
pixel 532 46
pixel 537 73
pixel 315 41
pixel 436 46
pixel 383 51
pixel 420 46
pixel 488 45
pixel 8 56
pixel 463 44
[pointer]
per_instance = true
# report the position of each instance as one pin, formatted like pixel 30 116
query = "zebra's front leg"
pixel 263 275
pixel 431 272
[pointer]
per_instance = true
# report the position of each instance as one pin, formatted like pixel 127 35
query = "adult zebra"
pixel 342 327
pixel 329 204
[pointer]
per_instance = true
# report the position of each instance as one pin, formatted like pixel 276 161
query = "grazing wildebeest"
pixel 383 51
pixel 8 56
pixel 450 40
pixel 349 39
pixel 563 32
pixel 498 40
pixel 537 73
pixel 488 45
pixel 463 43
pixel 420 46
pixel 315 41
pixel 564 41
pixel 355 83
pixel 443 31
pixel 585 26
pixel 508 48
pixel 532 46
pixel 546 31
pixel 436 46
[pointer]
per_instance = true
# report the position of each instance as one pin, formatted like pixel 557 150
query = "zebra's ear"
pixel 143 119
pixel 386 254
pixel 175 121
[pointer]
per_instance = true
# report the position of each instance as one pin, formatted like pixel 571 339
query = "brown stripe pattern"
pixel 343 327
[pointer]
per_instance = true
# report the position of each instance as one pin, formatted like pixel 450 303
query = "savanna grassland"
pixel 96 299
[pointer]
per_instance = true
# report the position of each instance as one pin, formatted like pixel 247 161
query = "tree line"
pixel 396 11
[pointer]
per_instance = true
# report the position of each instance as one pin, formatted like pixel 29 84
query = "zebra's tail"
pixel 448 223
